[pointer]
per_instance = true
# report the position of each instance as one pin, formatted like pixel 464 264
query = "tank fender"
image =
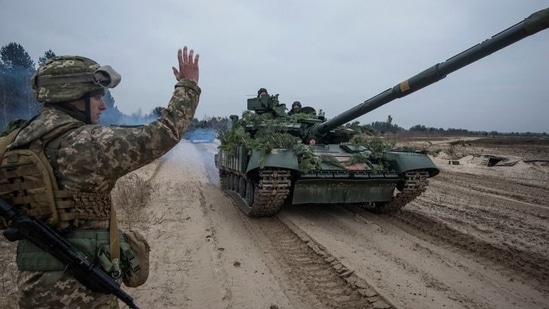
pixel 282 158
pixel 408 161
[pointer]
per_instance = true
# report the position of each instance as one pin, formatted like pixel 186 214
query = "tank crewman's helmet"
pixel 260 91
pixel 296 103
pixel 67 78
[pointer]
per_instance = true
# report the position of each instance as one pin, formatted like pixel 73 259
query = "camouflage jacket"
pixel 91 158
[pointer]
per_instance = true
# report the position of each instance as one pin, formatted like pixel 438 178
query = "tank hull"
pixel 358 183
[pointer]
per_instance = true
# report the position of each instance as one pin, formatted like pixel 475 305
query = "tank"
pixel 269 159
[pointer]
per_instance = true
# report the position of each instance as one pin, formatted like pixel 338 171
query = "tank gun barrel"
pixel 532 24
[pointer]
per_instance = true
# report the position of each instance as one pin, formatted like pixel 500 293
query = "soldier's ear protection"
pixel 106 77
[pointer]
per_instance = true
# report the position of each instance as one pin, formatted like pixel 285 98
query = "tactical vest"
pixel 28 182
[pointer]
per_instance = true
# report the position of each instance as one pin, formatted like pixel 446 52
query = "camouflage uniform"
pixel 90 159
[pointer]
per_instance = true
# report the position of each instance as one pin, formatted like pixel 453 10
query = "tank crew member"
pixel 261 92
pixel 296 106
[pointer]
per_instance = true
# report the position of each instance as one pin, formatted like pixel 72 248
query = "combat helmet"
pixel 67 78
pixel 262 91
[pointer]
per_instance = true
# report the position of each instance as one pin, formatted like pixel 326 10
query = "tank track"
pixel 268 196
pixel 415 184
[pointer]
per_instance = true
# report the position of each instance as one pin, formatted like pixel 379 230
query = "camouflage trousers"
pixel 58 289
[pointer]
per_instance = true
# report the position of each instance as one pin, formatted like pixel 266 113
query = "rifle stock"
pixel 22 226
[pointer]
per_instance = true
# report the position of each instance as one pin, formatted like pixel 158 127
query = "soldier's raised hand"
pixel 188 65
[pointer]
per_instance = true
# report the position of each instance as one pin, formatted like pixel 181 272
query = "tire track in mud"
pixel 411 271
pixel 527 264
pixel 534 196
pixel 493 218
pixel 315 273
pixel 496 229
pixel 490 225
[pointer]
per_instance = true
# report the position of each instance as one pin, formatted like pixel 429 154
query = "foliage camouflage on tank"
pixel 272 133
pixel 268 159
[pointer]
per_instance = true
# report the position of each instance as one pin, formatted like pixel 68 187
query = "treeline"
pixel 451 131
pixel 375 128
pixel 16 69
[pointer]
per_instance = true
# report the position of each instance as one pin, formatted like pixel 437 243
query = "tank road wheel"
pixel 250 191
pixel 235 183
pixel 242 186
pixel 223 180
pixel 231 181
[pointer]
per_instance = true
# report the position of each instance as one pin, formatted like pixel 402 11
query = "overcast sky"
pixel 327 55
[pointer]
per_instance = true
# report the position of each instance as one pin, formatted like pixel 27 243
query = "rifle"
pixel 22 226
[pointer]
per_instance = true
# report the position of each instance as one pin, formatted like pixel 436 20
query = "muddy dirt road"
pixel 478 238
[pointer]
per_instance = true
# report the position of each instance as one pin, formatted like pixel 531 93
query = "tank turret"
pixel 267 104
pixel 276 159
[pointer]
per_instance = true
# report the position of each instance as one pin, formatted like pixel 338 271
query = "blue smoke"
pixel 200 135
